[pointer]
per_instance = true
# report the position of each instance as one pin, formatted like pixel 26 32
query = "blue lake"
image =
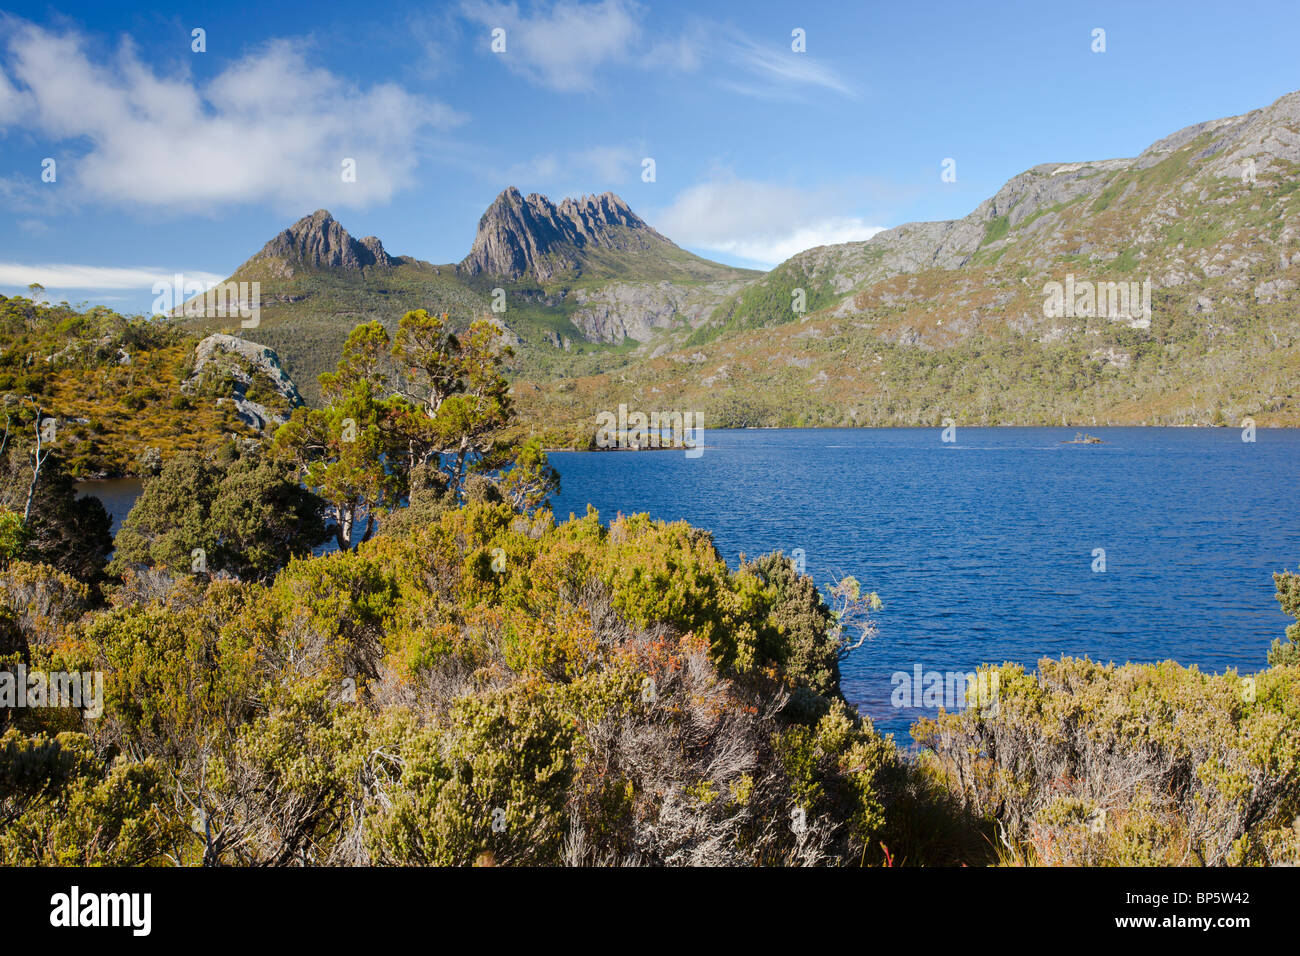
pixel 983 549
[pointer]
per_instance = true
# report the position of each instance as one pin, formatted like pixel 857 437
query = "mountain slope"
pixel 1056 211
pixel 126 393
pixel 585 285
pixel 950 319
pixel 593 237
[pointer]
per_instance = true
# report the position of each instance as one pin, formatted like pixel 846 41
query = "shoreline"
pixel 549 449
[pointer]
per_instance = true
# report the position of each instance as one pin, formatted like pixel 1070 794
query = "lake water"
pixel 117 495
pixel 983 549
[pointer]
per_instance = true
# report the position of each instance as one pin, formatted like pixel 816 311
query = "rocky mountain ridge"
pixel 1205 219
pixel 1025 214
pixel 531 236
pixel 953 319
pixel 319 241
pixel 578 277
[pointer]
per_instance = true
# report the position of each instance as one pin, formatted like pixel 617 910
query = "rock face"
pixel 623 310
pixel 520 236
pixel 1184 266
pixel 1056 212
pixel 508 337
pixel 246 363
pixel 319 242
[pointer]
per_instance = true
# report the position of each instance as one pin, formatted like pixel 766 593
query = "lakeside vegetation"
pixel 468 681
pixel 112 383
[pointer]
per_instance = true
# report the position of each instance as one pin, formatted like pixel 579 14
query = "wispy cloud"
pixel 594 165
pixel 562 45
pixel 68 276
pixel 439 33
pixel 764 223
pixel 10 101
pixel 778 73
pixel 566 45
pixel 269 128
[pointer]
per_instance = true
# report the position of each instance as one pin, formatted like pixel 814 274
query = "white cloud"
pixel 779 73
pixel 761 222
pixel 269 128
pixel 773 250
pixel 10 101
pixel 67 276
pixel 563 45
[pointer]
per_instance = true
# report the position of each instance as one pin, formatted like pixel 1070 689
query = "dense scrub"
pixel 490 687
pixel 485 686
pixel 112 383
pixel 465 681
pixel 1091 764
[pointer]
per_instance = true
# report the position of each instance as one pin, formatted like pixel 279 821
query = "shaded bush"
pixel 1288 595
pixel 1088 764
pixel 245 513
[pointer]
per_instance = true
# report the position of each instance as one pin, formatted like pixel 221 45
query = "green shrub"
pixel 1288 595
pixel 1151 764
pixel 59 808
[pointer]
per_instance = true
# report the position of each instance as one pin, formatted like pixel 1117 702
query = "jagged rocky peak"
pixel 591 213
pixel 519 235
pixel 320 242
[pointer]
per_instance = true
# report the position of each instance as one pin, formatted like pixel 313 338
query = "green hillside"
pixel 936 320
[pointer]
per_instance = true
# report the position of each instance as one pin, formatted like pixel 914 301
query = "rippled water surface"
pixel 982 549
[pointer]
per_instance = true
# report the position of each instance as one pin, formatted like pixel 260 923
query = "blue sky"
pixel 168 160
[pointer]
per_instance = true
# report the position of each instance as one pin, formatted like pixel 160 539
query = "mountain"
pixel 964 319
pixel 600 236
pixel 319 242
pixel 586 285
pixel 1056 211
pixel 318 282
pixel 922 322
pixel 592 271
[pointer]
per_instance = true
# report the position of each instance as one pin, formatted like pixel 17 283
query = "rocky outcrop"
pixel 599 237
pixel 1058 211
pixel 521 236
pixel 625 310
pixel 247 364
pixel 507 335
pixel 916 246
pixel 318 241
